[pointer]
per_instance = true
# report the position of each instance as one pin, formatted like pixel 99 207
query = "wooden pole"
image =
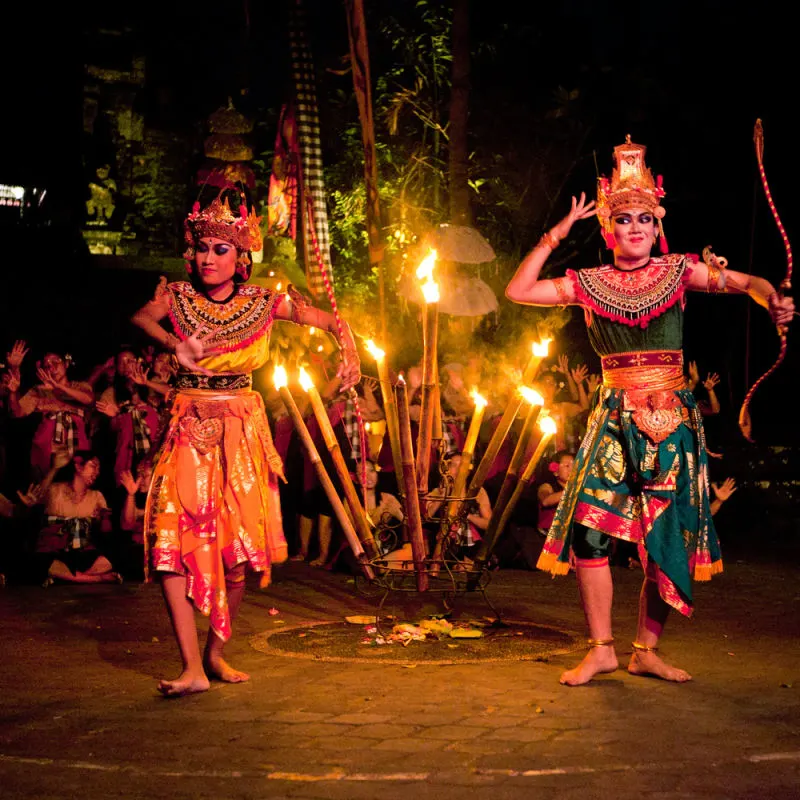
pixel 331 442
pixel 389 409
pixel 454 507
pixel 362 83
pixel 324 478
pixel 507 419
pixel 429 371
pixel 509 482
pixel 519 489
pixel 410 496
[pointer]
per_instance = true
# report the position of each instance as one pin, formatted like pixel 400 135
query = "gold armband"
pixel 561 291
pixel 549 239
pixel 717 281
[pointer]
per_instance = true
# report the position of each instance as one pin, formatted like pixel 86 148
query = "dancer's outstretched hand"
pixel 581 209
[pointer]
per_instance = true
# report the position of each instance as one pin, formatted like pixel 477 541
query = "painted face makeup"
pixel 215 261
pixel 635 232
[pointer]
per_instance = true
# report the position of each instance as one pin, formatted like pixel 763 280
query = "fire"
pixel 430 290
pixel 375 351
pixel 425 269
pixel 532 396
pixel 305 380
pixel 479 400
pixel 542 348
pixel 547 426
pixel 279 377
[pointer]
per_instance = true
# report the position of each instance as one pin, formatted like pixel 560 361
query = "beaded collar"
pixel 632 297
pixel 236 323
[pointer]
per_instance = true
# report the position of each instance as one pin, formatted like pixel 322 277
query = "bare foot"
pixel 185 683
pixel 596 661
pixel 650 664
pixel 317 562
pixel 223 671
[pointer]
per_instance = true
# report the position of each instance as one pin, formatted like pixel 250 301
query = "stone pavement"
pixel 80 716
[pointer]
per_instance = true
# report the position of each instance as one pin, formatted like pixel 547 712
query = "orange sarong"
pixel 214 500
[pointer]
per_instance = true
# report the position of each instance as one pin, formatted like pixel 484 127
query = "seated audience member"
pixel 131 553
pixel 60 405
pixel 384 512
pixel 76 516
pixel 134 422
pixel 463 534
pixel 550 491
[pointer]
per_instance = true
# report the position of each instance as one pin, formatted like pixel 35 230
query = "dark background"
pixel 688 79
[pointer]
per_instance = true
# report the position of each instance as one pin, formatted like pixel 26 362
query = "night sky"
pixel 688 79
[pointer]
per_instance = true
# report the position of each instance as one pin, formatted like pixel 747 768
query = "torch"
pixel 430 292
pixel 409 482
pixel 510 481
pixel 507 419
pixel 390 409
pixel 455 505
pixel 548 428
pixel 280 381
pixel 350 495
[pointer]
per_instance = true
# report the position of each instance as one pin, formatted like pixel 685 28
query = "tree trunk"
pixel 459 112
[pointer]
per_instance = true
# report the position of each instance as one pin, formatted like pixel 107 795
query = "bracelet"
pixel 549 239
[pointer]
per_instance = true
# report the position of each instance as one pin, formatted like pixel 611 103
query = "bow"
pixel 784 288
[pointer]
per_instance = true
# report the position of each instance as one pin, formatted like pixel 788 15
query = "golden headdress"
pixel 243 230
pixel 631 186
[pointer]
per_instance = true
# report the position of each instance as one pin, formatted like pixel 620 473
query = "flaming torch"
pixel 540 350
pixel 390 409
pixel 280 380
pixel 548 428
pixel 455 505
pixel 539 353
pixel 329 437
pixel 430 292
pixel 409 481
pixel 536 402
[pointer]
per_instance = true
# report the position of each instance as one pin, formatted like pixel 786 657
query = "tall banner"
pixel 359 61
pixel 313 207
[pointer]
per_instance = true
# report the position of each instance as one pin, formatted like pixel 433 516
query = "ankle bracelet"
pixel 643 648
pixel 600 642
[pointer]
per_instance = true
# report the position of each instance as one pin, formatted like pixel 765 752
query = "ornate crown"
pixel 631 185
pixel 217 220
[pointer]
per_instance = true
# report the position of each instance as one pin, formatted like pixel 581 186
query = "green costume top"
pixel 641 473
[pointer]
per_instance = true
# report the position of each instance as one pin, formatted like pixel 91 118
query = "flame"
pixel 305 380
pixel 375 351
pixel 279 286
pixel 548 426
pixel 532 396
pixel 320 348
pixel 279 377
pixel 480 401
pixel 542 348
pixel 425 269
pixel 430 291
pixel 312 330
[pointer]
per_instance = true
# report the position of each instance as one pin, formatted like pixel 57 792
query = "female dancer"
pixel 213 505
